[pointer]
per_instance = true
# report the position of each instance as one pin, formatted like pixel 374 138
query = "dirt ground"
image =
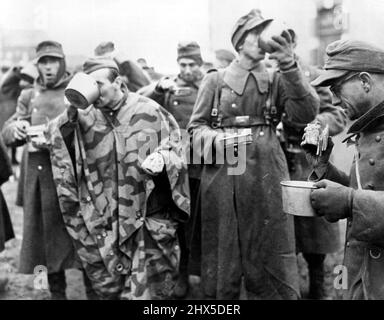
pixel 20 287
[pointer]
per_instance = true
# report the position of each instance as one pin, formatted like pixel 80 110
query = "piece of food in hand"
pixel 312 134
pixel 315 139
pixel 154 163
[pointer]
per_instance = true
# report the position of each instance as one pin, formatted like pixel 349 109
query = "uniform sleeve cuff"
pixel 295 83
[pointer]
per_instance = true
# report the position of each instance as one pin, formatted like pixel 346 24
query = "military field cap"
pixel 223 54
pixel 247 23
pixel 345 56
pixel 191 50
pixel 49 49
pixel 95 63
pixel 104 47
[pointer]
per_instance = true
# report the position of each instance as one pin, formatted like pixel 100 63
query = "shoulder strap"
pixel 270 111
pixel 215 114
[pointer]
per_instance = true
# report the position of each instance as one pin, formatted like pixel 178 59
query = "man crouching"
pixel 123 186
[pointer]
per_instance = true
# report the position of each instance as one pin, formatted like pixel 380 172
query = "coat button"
pixel 371 162
pixel 175 103
pixel 88 198
pixel 233 105
pixel 347 244
pixel 111 114
pixel 261 133
pixel 39 168
pixel 378 138
pixel 111 253
pixel 375 253
pixel 98 237
pixel 119 267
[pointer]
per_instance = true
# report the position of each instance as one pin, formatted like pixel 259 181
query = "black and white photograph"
pixel 179 150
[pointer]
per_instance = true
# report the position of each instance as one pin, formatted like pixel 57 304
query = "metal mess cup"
pixel 296 198
pixel 274 28
pixel 82 91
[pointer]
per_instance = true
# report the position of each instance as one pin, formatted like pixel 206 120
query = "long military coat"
pixel 364 245
pixel 128 248
pixel 315 234
pixel 45 242
pixel 244 230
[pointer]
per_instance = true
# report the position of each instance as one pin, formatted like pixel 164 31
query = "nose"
pixel 47 65
pixel 188 69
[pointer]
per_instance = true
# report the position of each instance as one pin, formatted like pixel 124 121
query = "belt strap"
pixel 242 121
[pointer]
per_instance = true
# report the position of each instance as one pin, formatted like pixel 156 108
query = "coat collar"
pixel 366 119
pixel 236 77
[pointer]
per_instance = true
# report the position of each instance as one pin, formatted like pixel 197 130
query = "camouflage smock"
pixel 103 195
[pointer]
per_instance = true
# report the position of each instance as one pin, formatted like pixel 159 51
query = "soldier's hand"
pixel 20 129
pixel 153 164
pixel 283 50
pixel 318 161
pixel 166 84
pixel 332 200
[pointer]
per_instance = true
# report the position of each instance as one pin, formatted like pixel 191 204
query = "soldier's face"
pixel 250 47
pixel 108 90
pixel 189 69
pixel 349 94
pixel 49 69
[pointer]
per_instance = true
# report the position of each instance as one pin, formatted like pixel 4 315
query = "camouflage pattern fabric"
pixel 103 196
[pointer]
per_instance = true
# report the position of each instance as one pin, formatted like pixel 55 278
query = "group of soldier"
pixel 160 180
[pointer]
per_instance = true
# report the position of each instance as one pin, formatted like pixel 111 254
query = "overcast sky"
pixel 141 28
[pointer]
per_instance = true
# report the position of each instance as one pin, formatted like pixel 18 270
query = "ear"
pixel 118 82
pixel 366 81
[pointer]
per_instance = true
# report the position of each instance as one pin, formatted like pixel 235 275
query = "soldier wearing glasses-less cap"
pixel 244 230
pixel 46 242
